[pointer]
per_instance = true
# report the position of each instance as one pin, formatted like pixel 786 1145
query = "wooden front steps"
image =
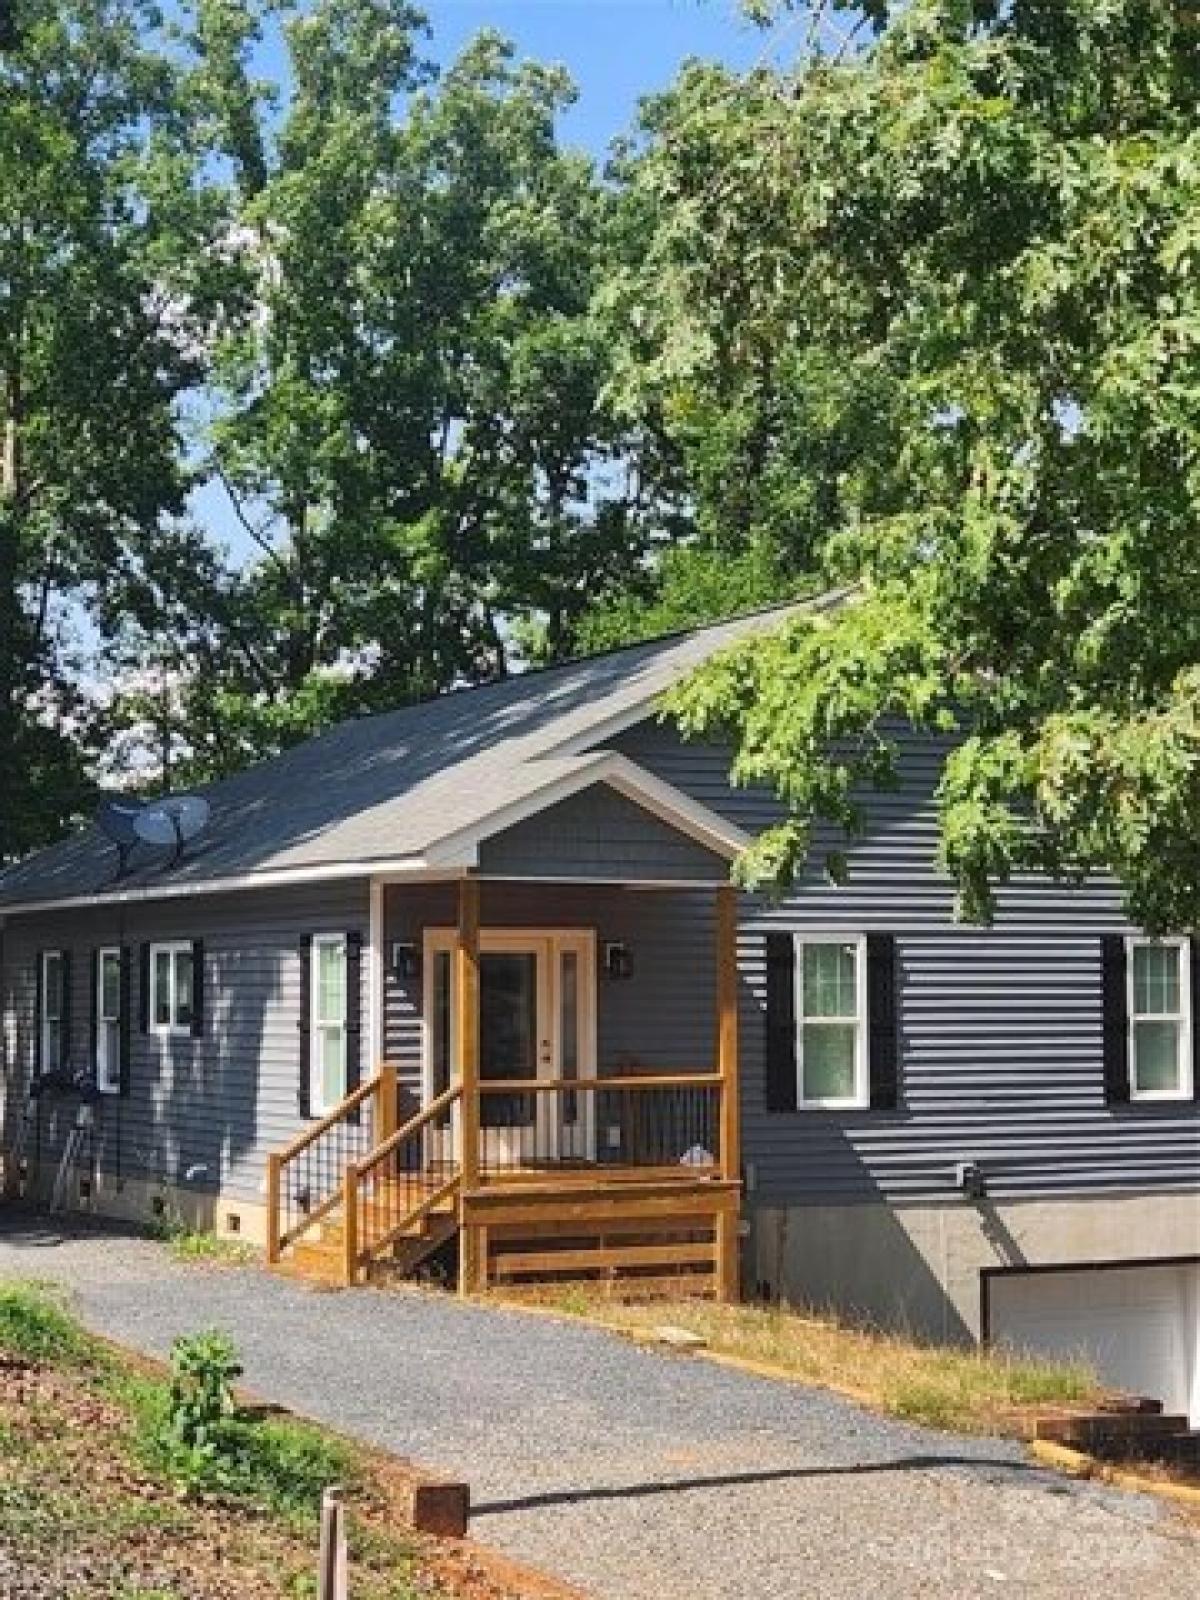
pixel 667 1233
pixel 320 1257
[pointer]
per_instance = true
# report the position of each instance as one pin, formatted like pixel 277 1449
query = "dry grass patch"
pixel 966 1390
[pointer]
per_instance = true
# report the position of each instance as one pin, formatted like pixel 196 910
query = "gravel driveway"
pixel 639 1475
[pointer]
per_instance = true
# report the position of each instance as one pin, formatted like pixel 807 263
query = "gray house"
pixel 472 971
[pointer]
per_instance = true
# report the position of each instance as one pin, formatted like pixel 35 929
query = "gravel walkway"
pixel 638 1475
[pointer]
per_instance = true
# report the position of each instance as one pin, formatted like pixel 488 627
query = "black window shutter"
pixel 198 996
pixel 126 1024
pixel 1194 961
pixel 882 1036
pixel 304 1024
pixel 64 1060
pixel 781 1022
pixel 144 989
pixel 39 1002
pixel 1116 1019
pixel 94 1014
pixel 353 1014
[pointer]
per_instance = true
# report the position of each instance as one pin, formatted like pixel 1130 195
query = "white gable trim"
pixel 610 727
pixel 653 794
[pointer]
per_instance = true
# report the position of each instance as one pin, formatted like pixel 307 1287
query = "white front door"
pixel 536 1020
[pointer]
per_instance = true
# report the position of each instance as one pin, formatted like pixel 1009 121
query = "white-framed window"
pixel 108 1020
pixel 1158 975
pixel 53 1009
pixel 172 988
pixel 329 1011
pixel 831 1022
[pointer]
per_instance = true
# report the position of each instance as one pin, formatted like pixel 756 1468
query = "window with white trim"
pixel 172 988
pixel 108 1020
pixel 831 1027
pixel 53 1009
pixel 328 1021
pixel 1160 1020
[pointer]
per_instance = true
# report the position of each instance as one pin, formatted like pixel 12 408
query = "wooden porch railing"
pixel 666 1122
pixel 400 1183
pixel 305 1179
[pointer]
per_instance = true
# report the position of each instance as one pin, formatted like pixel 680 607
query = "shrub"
pixel 197 1438
pixel 194 1432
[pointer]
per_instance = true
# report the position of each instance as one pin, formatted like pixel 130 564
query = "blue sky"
pixel 616 50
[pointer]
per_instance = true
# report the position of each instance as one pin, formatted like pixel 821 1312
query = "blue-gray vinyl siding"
pixel 662 1018
pixel 201 1113
pixel 1000 1027
pixel 599 834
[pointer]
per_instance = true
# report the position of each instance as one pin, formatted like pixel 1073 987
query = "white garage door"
pixel 1138 1326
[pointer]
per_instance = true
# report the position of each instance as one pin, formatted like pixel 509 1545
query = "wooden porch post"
pixel 274 1166
pixel 467 958
pixel 386 1104
pixel 728 1274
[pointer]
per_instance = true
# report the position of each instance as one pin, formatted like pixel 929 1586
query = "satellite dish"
pixel 153 825
pixel 172 821
pixel 116 818
pixel 167 824
pixel 119 819
pixel 189 812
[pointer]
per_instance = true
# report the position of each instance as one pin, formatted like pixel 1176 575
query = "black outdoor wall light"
pixel 406 960
pixel 618 960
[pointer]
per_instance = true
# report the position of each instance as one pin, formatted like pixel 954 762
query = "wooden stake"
pixel 332 1582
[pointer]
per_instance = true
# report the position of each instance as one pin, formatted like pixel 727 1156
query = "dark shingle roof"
pixel 390 787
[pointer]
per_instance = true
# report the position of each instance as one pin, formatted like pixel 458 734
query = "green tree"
pixel 969 248
pixel 406 410
pixel 97 343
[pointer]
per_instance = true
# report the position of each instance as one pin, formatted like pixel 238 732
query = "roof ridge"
pixel 671 636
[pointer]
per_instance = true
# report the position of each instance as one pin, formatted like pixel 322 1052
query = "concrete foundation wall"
pixel 155 1204
pixel 918 1267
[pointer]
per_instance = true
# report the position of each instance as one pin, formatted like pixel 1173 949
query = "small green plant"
pixel 572 1302
pixel 189 1244
pixel 200 1408
pixel 285 1465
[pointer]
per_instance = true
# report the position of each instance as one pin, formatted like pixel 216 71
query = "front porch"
pixel 543 1157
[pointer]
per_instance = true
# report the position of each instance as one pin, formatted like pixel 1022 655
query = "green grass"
pixel 278 1464
pixel 200 1246
pixel 33 1327
pixel 87 1466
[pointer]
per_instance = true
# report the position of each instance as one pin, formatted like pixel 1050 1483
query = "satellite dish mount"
pixel 166 824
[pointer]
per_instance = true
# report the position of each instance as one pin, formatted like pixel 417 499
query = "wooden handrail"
pixel 331 1119
pixel 414 1124
pixel 410 1218
pixel 673 1080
